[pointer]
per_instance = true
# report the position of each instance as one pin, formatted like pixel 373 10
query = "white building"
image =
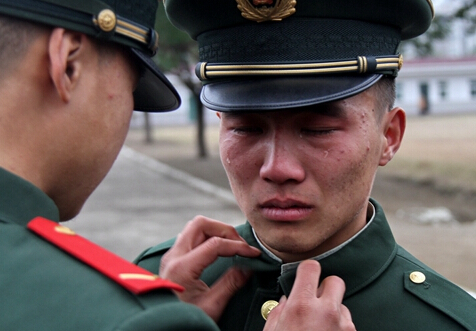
pixel 440 85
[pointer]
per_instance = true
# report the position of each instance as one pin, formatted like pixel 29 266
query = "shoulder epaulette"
pixel 443 295
pixel 130 276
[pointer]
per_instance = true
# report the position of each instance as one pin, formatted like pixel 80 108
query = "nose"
pixel 281 162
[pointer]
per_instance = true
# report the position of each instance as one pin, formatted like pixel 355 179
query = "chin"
pixel 66 214
pixel 291 246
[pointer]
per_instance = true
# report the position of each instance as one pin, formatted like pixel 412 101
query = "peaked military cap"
pixel 274 54
pixel 126 22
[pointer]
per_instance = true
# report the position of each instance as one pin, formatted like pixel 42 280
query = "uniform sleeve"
pixel 169 317
pixel 150 258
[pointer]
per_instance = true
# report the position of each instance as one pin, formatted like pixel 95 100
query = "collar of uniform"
pixel 293 265
pixel 361 260
pixel 262 263
pixel 21 201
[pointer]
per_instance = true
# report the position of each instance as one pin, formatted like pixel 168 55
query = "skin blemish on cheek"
pixel 228 160
pixel 326 153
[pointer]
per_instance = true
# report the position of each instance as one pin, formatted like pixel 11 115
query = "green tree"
pixel 176 48
pixel 178 54
pixel 439 30
pixel 467 12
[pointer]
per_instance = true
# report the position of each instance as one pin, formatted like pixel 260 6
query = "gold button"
pixel 107 20
pixel 267 307
pixel 417 277
pixel 64 230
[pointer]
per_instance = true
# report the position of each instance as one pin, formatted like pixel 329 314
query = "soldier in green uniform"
pixel 305 93
pixel 71 72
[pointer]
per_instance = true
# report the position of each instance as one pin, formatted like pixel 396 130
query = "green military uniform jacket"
pixel 386 287
pixel 44 288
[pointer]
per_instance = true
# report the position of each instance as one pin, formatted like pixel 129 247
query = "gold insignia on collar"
pixel 64 230
pixel 266 10
pixel 138 277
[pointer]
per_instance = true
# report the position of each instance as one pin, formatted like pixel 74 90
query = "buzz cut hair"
pixel 386 92
pixel 385 95
pixel 16 36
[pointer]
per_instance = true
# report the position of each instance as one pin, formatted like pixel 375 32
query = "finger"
pixel 207 253
pixel 307 280
pixel 223 290
pixel 274 315
pixel 200 229
pixel 196 260
pixel 346 313
pixel 332 288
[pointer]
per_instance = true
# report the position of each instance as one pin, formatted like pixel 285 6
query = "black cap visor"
pixel 264 94
pixel 154 92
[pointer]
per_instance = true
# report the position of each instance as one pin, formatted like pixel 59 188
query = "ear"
pixel 393 124
pixel 64 68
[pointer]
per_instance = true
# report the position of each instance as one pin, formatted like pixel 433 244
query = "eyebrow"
pixel 331 109
pixel 232 114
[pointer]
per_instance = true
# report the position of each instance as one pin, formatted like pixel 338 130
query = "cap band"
pixel 105 19
pixel 135 31
pixel 92 17
pixel 389 65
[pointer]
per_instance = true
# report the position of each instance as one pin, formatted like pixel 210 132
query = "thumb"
pixel 274 315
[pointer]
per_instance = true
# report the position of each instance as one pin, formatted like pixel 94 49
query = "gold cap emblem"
pixel 106 20
pixel 266 10
pixel 267 307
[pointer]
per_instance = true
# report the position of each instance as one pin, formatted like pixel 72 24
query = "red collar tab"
pixel 130 276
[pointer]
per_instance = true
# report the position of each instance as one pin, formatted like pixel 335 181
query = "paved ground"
pixel 143 202
pixel 150 193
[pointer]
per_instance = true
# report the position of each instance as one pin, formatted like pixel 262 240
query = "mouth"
pixel 285 210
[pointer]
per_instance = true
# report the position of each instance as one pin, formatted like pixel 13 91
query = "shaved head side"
pixel 385 94
pixel 15 38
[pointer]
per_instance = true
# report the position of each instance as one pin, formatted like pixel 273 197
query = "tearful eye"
pixel 317 131
pixel 247 129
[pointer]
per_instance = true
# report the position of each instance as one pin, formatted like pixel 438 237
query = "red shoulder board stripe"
pixel 130 276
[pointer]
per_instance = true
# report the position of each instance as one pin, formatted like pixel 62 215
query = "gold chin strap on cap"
pixel 104 18
pixel 361 65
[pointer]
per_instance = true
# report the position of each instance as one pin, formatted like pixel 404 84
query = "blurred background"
pixel 428 190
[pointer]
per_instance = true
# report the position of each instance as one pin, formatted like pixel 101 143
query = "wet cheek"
pixel 337 155
pixel 238 162
pixel 344 169
pixel 230 157
pixel 237 172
